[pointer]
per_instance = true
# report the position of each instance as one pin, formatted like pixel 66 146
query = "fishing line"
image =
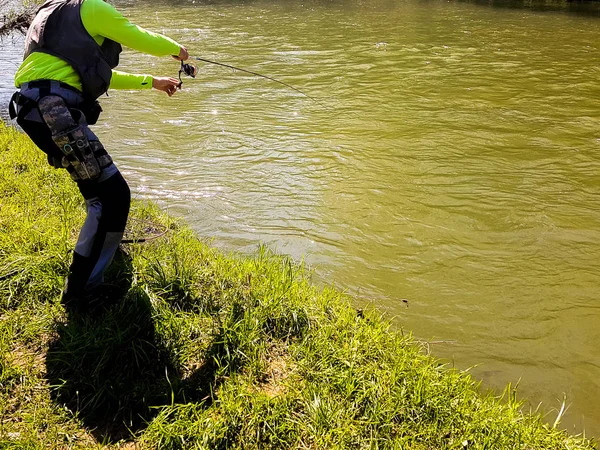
pixel 191 70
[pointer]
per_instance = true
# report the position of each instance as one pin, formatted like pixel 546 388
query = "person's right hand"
pixel 183 54
pixel 165 84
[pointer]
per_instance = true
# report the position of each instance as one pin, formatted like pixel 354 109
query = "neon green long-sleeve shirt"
pixel 101 21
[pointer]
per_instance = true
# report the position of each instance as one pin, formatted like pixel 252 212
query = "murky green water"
pixel 453 177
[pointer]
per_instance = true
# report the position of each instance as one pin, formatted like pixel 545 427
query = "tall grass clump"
pixel 205 350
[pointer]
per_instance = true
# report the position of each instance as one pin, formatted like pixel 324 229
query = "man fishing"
pixel 71 49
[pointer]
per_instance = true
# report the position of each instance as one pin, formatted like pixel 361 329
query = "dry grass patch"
pixel 279 371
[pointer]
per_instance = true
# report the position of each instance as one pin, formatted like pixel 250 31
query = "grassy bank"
pixel 211 351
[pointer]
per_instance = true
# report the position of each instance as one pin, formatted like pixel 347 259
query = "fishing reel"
pixel 190 69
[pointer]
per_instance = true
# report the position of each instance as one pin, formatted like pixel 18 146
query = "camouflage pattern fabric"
pixel 83 159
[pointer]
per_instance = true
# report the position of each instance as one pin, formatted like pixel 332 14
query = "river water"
pixel 448 174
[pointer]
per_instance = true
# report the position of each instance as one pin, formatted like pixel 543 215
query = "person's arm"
pixel 124 80
pixel 101 19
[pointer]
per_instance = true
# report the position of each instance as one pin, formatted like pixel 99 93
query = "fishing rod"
pixel 191 70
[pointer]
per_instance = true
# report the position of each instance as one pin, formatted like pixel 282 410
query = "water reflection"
pixel 586 7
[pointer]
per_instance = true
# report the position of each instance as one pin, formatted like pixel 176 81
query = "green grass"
pixel 212 351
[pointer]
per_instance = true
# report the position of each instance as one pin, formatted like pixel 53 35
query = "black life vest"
pixel 57 29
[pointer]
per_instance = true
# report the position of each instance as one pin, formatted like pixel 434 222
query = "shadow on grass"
pixel 111 369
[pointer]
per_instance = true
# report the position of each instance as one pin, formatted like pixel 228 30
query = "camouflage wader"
pixel 58 127
pixel 83 159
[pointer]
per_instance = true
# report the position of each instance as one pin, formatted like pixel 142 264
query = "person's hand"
pixel 183 54
pixel 165 84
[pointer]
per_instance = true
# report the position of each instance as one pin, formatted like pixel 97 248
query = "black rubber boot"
pixel 74 294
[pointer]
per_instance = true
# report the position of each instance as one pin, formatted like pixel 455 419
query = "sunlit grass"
pixel 210 351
